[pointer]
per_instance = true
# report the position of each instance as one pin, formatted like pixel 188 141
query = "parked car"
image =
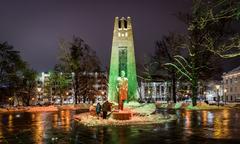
pixel 188 100
pixel 211 102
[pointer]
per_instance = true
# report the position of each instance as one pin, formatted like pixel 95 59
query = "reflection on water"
pixel 36 127
pixel 222 126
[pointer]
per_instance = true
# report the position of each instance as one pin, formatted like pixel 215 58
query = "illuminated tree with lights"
pixel 213 22
pixel 189 71
pixel 208 36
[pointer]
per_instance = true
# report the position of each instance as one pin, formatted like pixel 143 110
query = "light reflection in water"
pixel 1 129
pixel 210 117
pixel 55 120
pixel 205 117
pixel 218 120
pixel 38 127
pixel 65 119
pixel 221 125
pixel 188 119
pixel 10 122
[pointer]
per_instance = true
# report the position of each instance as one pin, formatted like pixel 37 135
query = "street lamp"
pixel 10 101
pixel 225 92
pixel 39 90
pixel 218 87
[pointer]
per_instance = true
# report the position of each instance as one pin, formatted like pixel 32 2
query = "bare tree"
pixel 78 58
pixel 166 49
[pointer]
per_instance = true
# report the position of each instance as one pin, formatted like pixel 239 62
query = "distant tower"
pixel 122 58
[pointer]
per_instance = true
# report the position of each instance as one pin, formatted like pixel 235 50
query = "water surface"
pixel 203 127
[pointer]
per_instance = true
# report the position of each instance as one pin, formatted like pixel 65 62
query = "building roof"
pixel 233 72
pixel 236 69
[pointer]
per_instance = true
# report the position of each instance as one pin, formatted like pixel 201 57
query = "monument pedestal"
pixel 121 115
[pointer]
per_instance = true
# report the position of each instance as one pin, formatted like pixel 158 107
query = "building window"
pixel 162 89
pixel 158 90
pixel 119 24
pixel 125 24
pixel 236 80
pixel 123 60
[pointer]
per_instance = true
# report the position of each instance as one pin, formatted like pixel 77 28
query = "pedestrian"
pixel 105 109
pixel 98 109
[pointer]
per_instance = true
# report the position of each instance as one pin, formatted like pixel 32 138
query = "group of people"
pixel 105 108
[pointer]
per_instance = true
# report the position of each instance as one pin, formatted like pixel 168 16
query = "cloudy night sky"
pixel 34 27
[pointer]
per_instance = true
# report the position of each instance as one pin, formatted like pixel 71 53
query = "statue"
pixel 122 89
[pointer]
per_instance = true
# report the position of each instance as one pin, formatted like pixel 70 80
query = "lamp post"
pixel 187 94
pixel 225 96
pixel 217 87
pixel 39 90
pixel 205 95
pixel 10 101
pixel 103 94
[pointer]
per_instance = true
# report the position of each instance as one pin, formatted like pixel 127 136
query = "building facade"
pixel 213 91
pixel 231 83
pixel 98 84
pixel 153 91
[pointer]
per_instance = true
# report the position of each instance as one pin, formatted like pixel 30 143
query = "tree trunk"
pixel 194 95
pixel 194 92
pixel 28 101
pixel 174 87
pixel 76 89
pixel 61 99
pixel 194 80
pixel 84 99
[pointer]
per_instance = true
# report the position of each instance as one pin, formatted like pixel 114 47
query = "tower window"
pixel 119 24
pixel 125 24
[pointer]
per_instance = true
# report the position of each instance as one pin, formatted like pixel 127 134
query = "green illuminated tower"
pixel 122 58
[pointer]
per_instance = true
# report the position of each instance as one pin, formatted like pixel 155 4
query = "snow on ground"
pixel 142 114
pixel 45 108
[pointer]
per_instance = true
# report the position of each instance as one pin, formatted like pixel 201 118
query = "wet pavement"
pixel 203 127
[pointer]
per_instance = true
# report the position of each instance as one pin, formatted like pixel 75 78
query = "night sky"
pixel 35 26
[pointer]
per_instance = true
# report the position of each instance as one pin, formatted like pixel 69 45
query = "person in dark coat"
pixel 98 109
pixel 105 108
